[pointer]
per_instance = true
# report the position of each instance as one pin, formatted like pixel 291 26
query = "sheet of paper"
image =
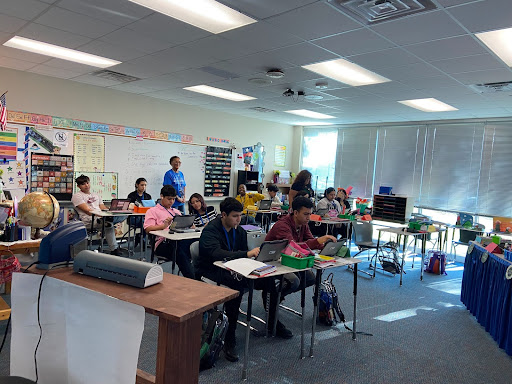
pixel 243 266
pixel 87 337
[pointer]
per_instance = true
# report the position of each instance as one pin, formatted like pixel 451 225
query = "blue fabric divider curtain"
pixel 488 295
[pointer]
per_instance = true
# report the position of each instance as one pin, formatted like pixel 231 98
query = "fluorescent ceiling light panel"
pixel 313 123
pixel 217 92
pixel 346 72
pixel 499 42
pixel 59 52
pixel 209 15
pixel 307 113
pixel 428 105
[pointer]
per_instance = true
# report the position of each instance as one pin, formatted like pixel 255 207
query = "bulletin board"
pixel 104 184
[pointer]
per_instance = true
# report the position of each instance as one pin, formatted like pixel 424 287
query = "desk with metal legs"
pixel 103 215
pixel 281 270
pixel 340 262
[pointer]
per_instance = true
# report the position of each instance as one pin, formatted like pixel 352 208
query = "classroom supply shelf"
pixel 392 208
pixel 250 179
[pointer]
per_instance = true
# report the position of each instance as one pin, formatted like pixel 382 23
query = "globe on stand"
pixel 38 210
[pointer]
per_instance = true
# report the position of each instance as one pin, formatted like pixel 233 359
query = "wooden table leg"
pixel 177 356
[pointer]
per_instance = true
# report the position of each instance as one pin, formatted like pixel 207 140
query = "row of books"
pixel 322 261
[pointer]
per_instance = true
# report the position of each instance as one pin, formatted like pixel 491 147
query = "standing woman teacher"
pixel 175 178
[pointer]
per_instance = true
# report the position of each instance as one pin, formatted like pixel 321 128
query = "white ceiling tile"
pixel 54 72
pixel 179 58
pixel 354 43
pixel 409 71
pixel 20 65
pixel 131 88
pixel 303 54
pixel 22 55
pixel 117 12
pixel 447 48
pixel 111 51
pixel 73 22
pixel 394 57
pixel 241 85
pixel 24 9
pixel 262 9
pixel 479 77
pixel 327 21
pixel 331 84
pixel 345 93
pixel 70 66
pixel 450 3
pixel 53 36
pixel 170 94
pixel 469 64
pixel 434 82
pixel 10 24
pixel 95 80
pixel 173 31
pixel 139 41
pixel 220 48
pixel 182 79
pixel 419 28
pixel 450 92
pixel 484 16
pixel 261 36
pixel 257 63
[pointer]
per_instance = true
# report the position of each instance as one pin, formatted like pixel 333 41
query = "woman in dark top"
pixel 140 191
pixel 198 207
pixel 302 184
pixel 137 196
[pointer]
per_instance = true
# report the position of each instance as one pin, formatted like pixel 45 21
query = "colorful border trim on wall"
pixel 62 122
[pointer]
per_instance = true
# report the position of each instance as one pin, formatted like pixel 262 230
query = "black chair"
pixel 362 235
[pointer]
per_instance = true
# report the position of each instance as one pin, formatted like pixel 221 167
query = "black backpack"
pixel 329 310
pixel 215 325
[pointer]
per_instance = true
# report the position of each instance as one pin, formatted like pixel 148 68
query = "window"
pixel 319 156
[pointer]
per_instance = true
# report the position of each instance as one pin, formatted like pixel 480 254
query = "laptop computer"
pixel 271 250
pixel 264 205
pixel 120 206
pixel 331 248
pixel 322 212
pixel 182 224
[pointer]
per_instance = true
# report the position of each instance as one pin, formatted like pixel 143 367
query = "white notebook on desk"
pixel 243 266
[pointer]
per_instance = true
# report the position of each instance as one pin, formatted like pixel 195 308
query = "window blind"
pixel 399 159
pixel 355 160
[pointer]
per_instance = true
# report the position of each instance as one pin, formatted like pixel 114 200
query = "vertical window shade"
pixel 319 156
pixel 399 159
pixel 452 167
pixel 355 160
pixel 495 181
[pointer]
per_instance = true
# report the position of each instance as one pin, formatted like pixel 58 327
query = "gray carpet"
pixel 422 333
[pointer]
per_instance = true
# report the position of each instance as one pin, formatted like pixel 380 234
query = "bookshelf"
pixel 250 179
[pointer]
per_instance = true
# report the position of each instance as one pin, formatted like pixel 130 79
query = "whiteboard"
pixel 132 158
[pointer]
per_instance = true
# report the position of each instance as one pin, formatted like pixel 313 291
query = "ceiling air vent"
pixel 375 11
pixel 115 76
pixel 504 86
pixel 261 109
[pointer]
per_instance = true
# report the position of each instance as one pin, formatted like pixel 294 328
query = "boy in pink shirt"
pixel 159 218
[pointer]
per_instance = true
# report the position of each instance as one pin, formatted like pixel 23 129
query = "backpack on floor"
pixel 215 325
pixel 388 258
pixel 329 310
pixel 436 260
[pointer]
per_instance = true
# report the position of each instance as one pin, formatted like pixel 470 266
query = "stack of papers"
pixel 324 261
pixel 246 267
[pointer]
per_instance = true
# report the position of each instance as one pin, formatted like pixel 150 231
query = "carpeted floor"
pixel 422 333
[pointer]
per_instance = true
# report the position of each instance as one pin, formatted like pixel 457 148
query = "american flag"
pixel 3 112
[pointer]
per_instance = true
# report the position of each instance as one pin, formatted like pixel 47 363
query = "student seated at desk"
pixel 137 196
pixel 328 202
pixel 248 199
pixel 204 214
pixel 294 227
pixel 272 190
pixel 159 218
pixel 85 203
pixel 140 191
pixel 342 198
pixel 222 240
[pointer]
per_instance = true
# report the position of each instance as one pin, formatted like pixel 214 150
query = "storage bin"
pixel 508 255
pixel 467 236
pixel 140 209
pixel 296 262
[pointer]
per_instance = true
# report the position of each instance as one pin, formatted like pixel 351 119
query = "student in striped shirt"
pixel 204 214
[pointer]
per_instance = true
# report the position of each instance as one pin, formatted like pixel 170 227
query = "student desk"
pixel 280 272
pixel 328 222
pixel 104 214
pixel 340 262
pixel 175 237
pixel 402 231
pixel 179 304
pixel 266 216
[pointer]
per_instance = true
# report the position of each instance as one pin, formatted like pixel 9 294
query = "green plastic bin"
pixel 297 262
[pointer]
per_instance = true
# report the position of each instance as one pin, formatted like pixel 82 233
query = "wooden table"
pixel 179 304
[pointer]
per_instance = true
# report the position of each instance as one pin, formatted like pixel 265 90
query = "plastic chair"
pixel 362 234
pixel 255 240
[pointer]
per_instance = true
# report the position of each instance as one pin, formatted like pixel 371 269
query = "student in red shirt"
pixel 294 227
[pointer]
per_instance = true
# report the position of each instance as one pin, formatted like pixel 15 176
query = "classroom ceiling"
pixel 432 54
